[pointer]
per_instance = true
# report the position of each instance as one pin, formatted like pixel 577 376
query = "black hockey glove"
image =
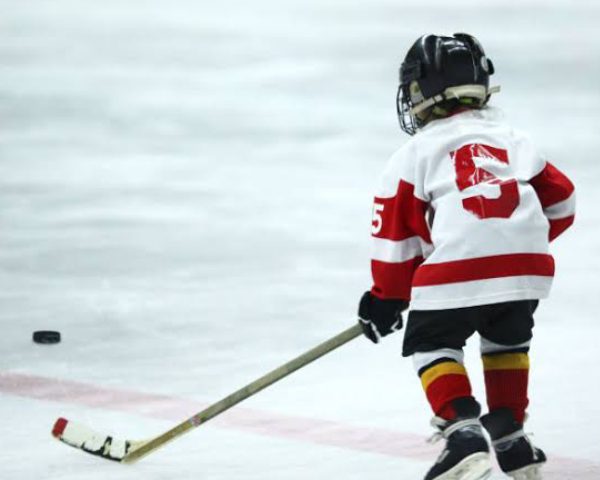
pixel 378 317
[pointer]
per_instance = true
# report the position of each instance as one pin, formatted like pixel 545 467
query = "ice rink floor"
pixel 185 193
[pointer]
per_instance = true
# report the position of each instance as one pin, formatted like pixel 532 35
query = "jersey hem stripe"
pixel 463 302
pixel 482 268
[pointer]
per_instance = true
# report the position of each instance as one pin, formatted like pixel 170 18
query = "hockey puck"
pixel 46 336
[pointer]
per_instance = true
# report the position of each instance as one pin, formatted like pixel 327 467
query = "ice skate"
pixel 516 455
pixel 466 454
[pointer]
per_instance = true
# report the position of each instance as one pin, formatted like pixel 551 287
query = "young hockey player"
pixel 461 226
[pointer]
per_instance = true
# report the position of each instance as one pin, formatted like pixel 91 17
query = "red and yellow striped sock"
pixel 506 380
pixel 443 382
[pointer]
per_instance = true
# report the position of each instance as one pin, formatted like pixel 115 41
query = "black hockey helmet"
pixel 442 71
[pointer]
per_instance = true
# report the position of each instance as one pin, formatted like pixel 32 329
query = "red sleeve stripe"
pixel 482 268
pixel 403 216
pixel 393 251
pixel 563 209
pixel 552 186
pixel 393 280
pixel 559 225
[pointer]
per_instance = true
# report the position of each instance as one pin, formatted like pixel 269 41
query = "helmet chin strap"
pixel 473 91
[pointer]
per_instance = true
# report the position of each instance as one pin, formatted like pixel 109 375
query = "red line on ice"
pixel 322 432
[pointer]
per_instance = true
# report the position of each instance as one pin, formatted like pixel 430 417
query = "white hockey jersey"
pixel 464 215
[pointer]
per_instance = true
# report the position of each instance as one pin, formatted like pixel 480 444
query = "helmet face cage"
pixel 405 99
pixel 409 123
pixel 409 94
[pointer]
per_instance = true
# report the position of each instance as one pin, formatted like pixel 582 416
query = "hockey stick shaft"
pixel 243 393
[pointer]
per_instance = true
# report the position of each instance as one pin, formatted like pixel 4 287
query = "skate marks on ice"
pixel 322 432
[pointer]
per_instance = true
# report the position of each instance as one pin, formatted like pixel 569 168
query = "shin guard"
pixel 444 379
pixel 506 379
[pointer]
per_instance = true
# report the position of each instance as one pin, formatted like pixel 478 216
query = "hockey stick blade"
pixel 84 438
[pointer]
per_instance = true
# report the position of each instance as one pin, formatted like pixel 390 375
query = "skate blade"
pixel 473 467
pixel 532 472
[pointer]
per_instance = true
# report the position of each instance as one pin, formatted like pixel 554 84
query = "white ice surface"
pixel 185 193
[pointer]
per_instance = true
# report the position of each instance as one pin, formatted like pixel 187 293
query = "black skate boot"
pixel 466 454
pixel 516 455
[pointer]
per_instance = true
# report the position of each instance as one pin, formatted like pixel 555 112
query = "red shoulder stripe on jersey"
pixel 393 280
pixel 482 268
pixel 403 216
pixel 551 185
pixel 558 226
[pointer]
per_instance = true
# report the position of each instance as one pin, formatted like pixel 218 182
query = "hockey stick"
pixel 128 451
